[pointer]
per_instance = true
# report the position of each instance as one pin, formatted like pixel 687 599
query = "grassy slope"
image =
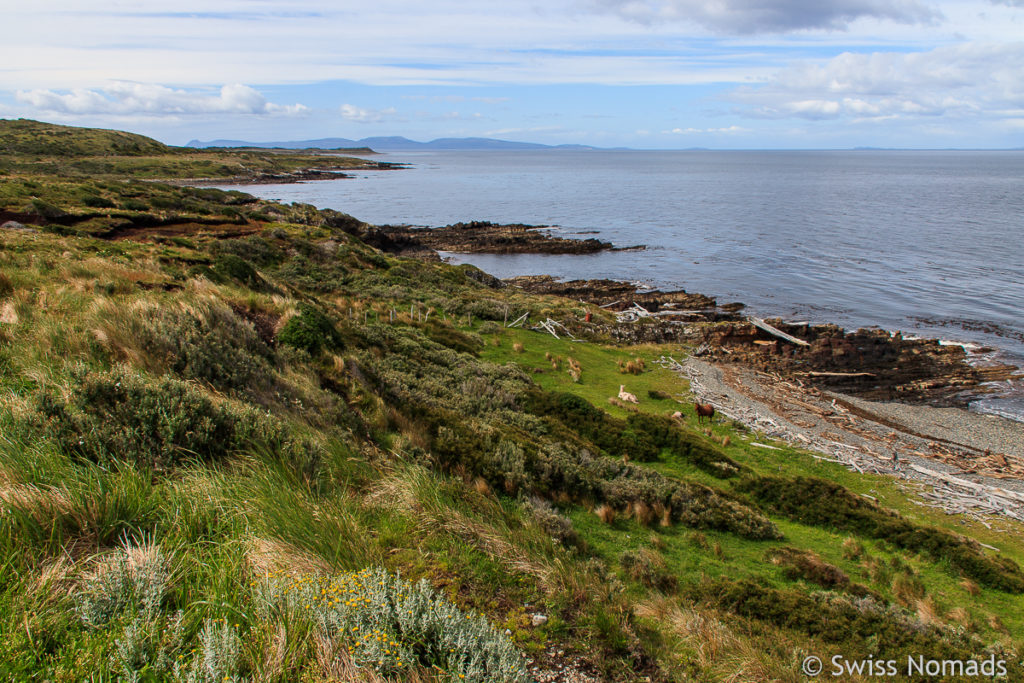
pixel 29 147
pixel 298 449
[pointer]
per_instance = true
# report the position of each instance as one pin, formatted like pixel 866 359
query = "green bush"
pixel 648 567
pixel 238 269
pixel 120 416
pixel 665 433
pixel 860 624
pixel 98 202
pixel 310 331
pixel 205 341
pixel 804 564
pixel 823 503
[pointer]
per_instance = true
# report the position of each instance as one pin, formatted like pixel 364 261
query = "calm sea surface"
pixel 929 243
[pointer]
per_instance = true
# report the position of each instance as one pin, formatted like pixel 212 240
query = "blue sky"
pixel 640 73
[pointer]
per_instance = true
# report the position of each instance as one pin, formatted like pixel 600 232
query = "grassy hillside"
pixel 236 443
pixel 43 148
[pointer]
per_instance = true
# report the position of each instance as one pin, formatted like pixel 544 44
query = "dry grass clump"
pixel 642 512
pixel 908 589
pixel 606 513
pixel 970 586
pixel 960 616
pixel 720 654
pixel 575 369
pixel 518 347
pixel 632 367
pixel 852 549
pixel 928 611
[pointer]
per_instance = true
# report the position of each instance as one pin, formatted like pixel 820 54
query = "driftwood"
pixel 549 326
pixel 838 374
pixel 757 322
pixel 981 488
pixel 780 416
pixel 518 321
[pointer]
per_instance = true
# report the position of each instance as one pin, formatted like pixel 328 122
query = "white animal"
pixel 626 396
pixel 677 415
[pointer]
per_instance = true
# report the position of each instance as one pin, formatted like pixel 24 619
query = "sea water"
pixel 930 243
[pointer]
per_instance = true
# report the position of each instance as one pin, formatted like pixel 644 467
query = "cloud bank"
pixel 746 17
pixel 132 99
pixel 957 81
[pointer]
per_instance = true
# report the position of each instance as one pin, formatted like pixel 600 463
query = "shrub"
pixel 858 623
pixel 238 269
pixel 823 503
pixel 806 565
pixel 310 331
pixel 557 525
pixel 119 416
pixel 390 625
pixel 648 567
pixel 205 340
pixel 135 576
pixel 658 395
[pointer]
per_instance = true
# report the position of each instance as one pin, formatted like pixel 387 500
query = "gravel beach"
pixel 973 462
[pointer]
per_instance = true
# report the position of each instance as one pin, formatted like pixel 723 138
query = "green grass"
pixel 337 409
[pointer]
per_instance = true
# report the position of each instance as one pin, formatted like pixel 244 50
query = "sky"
pixel 651 74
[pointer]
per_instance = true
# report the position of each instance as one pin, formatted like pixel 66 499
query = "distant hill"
pixel 385 144
pixel 24 136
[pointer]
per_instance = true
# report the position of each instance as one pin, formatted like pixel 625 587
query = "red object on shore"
pixel 588 316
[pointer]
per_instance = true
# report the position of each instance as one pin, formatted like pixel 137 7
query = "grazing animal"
pixel 626 396
pixel 677 415
pixel 704 410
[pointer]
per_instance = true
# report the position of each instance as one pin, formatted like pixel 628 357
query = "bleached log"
pixel 757 322
pixel 964 483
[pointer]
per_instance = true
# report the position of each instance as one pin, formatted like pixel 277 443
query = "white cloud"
pixel 132 99
pixel 351 112
pixel 701 131
pixel 963 80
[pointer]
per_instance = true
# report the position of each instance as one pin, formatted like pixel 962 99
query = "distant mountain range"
pixel 387 144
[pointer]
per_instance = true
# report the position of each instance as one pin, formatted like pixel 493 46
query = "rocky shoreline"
pixel 867 363
pixel 484 237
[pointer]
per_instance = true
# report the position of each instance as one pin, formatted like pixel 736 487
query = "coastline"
pixel 968 463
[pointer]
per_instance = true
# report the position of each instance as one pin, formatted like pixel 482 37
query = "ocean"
pixel 930 243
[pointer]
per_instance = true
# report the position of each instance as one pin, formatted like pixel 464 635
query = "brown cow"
pixel 704 410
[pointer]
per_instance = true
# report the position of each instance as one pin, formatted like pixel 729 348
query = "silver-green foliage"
pixel 134 576
pixel 390 625
pixel 219 658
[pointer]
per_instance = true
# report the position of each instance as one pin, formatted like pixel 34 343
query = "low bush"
pixel 648 567
pixel 552 469
pixel 204 340
pixel 823 503
pixel 805 564
pixel 239 270
pixel 557 525
pixel 310 331
pixel 120 416
pixel 134 577
pixel 860 624
pixel 391 626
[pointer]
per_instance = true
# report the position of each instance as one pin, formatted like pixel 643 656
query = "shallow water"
pixel 928 243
